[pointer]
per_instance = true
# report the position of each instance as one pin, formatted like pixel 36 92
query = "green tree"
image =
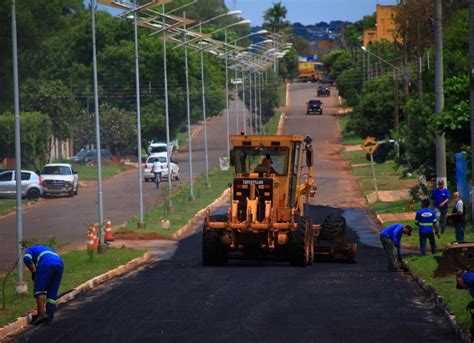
pixel 55 100
pixel 274 18
pixel 35 136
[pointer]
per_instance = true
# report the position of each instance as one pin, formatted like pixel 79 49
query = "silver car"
pixel 31 184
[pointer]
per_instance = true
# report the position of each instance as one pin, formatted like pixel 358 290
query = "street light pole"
pixel 188 112
pixel 260 102
pixel 141 222
pixel 21 287
pixel 471 62
pixel 236 101
pixel 227 94
pixel 250 103
pixel 165 71
pixel 255 104
pixel 439 96
pixel 204 115
pixel 102 246
pixel 243 100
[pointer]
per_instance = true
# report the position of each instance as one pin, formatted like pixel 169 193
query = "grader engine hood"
pixel 252 195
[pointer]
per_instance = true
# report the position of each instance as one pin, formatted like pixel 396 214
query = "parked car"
pixel 324 91
pixel 314 106
pixel 382 153
pixel 60 178
pixel 157 148
pixel 148 168
pixel 86 156
pixel 31 184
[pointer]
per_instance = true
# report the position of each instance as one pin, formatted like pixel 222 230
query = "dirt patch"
pixel 128 235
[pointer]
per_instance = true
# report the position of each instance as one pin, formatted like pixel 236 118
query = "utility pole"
pixel 21 287
pixel 364 75
pixel 141 221
pixel 439 96
pixel 396 105
pixel 188 115
pixel 406 89
pixel 471 65
pixel 369 69
pixel 102 249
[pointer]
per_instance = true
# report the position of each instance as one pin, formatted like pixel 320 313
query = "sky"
pixel 306 11
pixel 309 11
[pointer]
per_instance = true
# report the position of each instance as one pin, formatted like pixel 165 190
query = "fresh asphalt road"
pixel 67 218
pixel 179 300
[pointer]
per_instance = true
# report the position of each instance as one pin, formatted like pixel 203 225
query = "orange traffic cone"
pixel 92 241
pixel 109 236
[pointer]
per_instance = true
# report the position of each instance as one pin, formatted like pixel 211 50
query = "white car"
pixel 148 168
pixel 31 184
pixel 60 178
pixel 159 149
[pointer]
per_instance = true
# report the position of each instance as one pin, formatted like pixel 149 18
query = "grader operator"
pixel 273 181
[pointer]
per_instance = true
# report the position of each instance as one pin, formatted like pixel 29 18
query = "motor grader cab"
pixel 273 181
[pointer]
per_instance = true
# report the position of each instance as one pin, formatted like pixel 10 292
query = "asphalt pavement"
pixel 179 300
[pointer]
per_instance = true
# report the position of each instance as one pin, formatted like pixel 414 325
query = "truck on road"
pixel 60 178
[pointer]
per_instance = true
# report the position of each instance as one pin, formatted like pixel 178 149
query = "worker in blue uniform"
pixel 426 220
pixel 391 238
pixel 46 269
pixel 465 280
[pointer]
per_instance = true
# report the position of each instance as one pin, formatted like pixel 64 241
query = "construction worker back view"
pixel 46 269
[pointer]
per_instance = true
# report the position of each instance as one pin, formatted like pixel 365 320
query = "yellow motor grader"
pixel 273 181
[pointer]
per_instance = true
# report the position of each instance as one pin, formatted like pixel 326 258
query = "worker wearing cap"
pixel 391 238
pixel 426 220
pixel 440 197
pixel 46 269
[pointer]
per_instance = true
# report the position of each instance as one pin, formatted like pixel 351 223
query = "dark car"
pixel 383 151
pixel 314 106
pixel 86 156
pixel 324 91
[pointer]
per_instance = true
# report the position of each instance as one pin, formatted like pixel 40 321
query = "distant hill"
pixel 317 32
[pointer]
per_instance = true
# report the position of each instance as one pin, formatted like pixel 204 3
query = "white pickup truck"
pixel 60 178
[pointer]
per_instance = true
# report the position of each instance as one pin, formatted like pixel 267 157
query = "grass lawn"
pixel 272 126
pixel 184 210
pixel 7 205
pixel 89 172
pixel 347 137
pixel 355 157
pixel 445 286
pixel 78 268
pixel 381 207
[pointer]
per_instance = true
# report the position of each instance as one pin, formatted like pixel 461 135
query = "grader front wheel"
pixel 301 245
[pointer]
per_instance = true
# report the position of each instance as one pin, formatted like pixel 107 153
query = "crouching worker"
pixel 465 280
pixel 391 238
pixel 46 269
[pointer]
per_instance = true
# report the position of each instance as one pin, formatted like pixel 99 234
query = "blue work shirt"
pixel 439 196
pixel 42 256
pixel 425 219
pixel 468 279
pixel 394 232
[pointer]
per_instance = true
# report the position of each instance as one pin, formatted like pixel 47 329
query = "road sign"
pixel 369 145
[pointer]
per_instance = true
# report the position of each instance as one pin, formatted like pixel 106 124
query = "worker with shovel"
pixel 391 237
pixel 46 269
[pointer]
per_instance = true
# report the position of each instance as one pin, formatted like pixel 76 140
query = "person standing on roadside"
pixel 46 269
pixel 457 217
pixel 426 221
pixel 391 238
pixel 440 197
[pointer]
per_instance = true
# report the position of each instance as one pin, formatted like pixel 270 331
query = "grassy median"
pixel 424 266
pixel 88 172
pixel 78 268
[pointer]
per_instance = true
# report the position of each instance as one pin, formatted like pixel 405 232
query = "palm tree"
pixel 274 18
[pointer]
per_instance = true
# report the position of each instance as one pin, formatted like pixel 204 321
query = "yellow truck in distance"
pixel 310 71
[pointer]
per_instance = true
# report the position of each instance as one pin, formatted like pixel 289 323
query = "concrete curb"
pixel 24 321
pixel 185 229
pixel 441 305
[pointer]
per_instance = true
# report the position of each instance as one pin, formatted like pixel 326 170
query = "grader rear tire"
pixel 298 254
pixel 333 228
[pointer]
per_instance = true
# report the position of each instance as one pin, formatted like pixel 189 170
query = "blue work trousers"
pixel 47 281
pixel 430 236
pixel 459 229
